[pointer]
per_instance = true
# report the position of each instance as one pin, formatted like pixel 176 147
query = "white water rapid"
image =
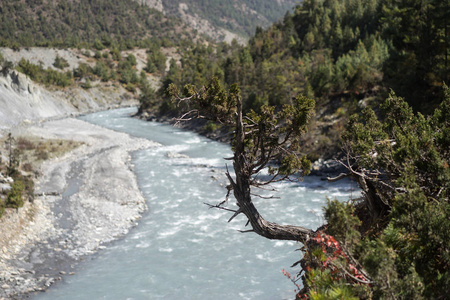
pixel 183 250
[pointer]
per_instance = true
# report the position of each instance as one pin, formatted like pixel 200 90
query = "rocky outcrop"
pixel 205 27
pixel 155 4
pixel 23 101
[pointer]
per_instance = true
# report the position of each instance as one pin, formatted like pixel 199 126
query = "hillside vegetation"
pixel 380 64
pixel 238 16
pixel 345 54
pixel 128 23
pixel 335 49
pixel 85 23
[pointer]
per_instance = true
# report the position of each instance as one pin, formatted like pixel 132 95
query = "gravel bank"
pixel 85 199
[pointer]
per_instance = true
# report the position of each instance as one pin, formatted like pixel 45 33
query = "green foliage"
pixel 406 144
pixel 131 59
pixel 156 60
pixel 213 100
pixel 211 127
pixel 5 65
pixel 46 76
pixel 127 72
pixel 2 207
pixel 98 54
pixel 98 45
pixel 345 59
pixel 60 62
pixel 332 272
pixel 115 53
pixel 345 49
pixel 403 162
pixel 267 136
pixel 147 96
pixel 95 24
pixel 102 71
pixel 87 84
pixel 325 287
pixel 15 196
pixel 150 66
pixel 130 87
pixel 418 30
pixel 342 222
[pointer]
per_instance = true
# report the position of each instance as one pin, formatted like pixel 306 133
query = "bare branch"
pixel 262 197
pixel 220 207
pixel 235 214
pixel 337 178
pixel 246 231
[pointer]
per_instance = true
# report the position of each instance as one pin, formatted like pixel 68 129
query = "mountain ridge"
pixel 237 19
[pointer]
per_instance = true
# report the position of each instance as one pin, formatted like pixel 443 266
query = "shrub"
pixel 15 196
pixel 60 62
pixel 5 65
pixel 24 144
pixel 98 45
pixel 401 248
pixel 27 167
pixel 130 87
pixel 211 127
pixel 115 53
pixel 87 84
pixel 46 76
pixel 131 59
pixel 2 207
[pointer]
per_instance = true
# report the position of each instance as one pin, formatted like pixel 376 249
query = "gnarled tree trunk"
pixel 241 189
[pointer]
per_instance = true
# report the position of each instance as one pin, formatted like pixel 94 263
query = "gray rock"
pixel 20 82
pixel 5 187
pixel 49 282
pixel 176 155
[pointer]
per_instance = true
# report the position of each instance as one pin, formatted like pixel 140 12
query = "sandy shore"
pixel 86 198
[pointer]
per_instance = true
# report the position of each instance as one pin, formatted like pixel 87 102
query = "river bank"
pixel 79 206
pixel 324 168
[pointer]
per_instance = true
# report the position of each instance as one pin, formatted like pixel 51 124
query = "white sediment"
pixel 86 198
pixel 104 204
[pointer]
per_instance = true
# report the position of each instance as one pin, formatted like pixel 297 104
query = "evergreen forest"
pixel 95 24
pixel 344 54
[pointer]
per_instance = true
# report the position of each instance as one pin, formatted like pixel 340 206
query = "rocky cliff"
pixel 235 19
pixel 23 101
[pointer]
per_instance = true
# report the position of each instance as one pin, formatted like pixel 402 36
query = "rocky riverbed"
pixel 86 198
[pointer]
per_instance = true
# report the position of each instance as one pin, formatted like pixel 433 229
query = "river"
pixel 183 250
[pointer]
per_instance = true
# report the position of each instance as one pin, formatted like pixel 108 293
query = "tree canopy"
pixel 85 23
pixel 259 140
pixel 396 234
pixel 338 52
pixel 392 242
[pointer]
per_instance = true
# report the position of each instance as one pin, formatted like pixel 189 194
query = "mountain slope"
pixel 224 20
pixel 74 23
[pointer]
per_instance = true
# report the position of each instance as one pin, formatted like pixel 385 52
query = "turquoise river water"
pixel 183 250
